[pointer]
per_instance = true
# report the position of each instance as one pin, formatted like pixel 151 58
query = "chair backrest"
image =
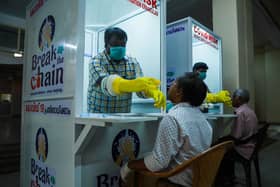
pixel 260 136
pixel 204 166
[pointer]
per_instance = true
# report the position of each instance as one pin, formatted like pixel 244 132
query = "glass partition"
pixel 206 48
pixel 197 43
pixel 141 20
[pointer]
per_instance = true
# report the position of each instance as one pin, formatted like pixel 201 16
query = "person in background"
pixel 201 69
pixel 223 96
pixel 246 126
pixel 182 134
pixel 113 77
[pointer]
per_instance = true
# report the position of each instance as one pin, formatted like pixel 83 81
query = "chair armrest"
pixel 204 166
pixel 167 173
pixel 235 140
pixel 186 164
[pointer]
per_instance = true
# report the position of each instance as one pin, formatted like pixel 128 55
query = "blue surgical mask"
pixel 169 106
pixel 202 75
pixel 117 53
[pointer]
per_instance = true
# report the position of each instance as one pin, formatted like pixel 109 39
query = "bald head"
pixel 240 96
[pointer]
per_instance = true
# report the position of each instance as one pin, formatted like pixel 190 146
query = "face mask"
pixel 202 75
pixel 117 53
pixel 169 106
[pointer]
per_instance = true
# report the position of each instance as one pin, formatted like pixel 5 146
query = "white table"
pixel 99 141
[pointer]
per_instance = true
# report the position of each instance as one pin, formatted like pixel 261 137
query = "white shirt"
pixel 183 133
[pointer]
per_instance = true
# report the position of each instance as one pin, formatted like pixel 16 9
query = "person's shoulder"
pixel 131 60
pixel 250 112
pixel 240 112
pixel 245 108
pixel 169 118
pixel 184 107
pixel 180 111
pixel 100 58
pixel 245 111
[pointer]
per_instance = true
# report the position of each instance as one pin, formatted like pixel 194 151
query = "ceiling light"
pixel 18 54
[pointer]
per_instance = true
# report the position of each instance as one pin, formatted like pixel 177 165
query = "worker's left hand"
pixel 158 96
pixel 224 96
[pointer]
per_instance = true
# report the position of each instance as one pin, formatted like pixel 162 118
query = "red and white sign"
pixel 149 5
pixel 204 36
pixel 36 7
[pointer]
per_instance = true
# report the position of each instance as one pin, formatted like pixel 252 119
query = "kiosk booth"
pixel 189 42
pixel 63 145
pixel 197 43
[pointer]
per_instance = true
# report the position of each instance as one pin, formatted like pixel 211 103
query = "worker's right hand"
pixel 139 84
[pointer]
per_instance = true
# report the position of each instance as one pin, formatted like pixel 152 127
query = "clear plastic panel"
pixel 206 48
pixel 142 23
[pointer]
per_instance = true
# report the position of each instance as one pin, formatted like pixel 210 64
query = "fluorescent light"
pixel 71 46
pixel 18 55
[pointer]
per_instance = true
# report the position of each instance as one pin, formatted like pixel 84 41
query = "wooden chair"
pixel 204 167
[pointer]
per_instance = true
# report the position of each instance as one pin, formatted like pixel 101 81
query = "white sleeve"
pixel 107 84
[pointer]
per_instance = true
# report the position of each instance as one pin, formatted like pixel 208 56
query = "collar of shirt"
pixel 241 108
pixel 185 104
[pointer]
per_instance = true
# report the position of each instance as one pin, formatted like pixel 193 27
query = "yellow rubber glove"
pixel 121 85
pixel 220 97
pixel 158 96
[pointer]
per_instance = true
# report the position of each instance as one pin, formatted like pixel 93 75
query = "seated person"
pixel 246 126
pixel 182 134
